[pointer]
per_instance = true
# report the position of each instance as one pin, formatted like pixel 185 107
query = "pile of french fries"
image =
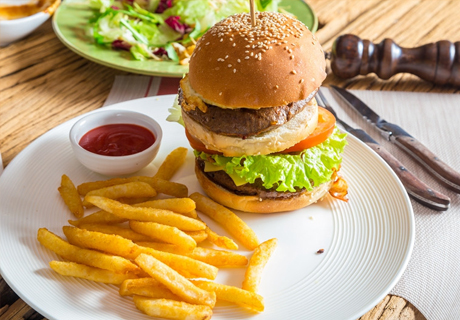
pixel 149 246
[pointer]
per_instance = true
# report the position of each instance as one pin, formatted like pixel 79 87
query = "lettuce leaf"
pixel 286 172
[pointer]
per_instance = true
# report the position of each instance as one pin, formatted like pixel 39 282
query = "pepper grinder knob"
pixel 437 62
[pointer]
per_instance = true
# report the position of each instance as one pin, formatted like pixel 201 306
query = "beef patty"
pixel 222 179
pixel 242 122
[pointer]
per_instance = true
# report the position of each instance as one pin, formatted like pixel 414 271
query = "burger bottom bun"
pixel 253 203
pixel 276 140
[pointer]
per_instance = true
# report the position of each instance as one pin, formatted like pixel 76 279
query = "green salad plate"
pixel 70 23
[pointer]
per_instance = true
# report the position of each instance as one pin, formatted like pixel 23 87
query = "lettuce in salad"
pixel 153 29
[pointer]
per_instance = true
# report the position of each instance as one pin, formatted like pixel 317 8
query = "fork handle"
pixel 437 62
pixel 439 169
pixel 416 188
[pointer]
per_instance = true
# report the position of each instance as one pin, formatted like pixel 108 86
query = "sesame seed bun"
pixel 254 203
pixel 235 65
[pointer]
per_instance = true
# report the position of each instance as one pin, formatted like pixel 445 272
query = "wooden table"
pixel 43 84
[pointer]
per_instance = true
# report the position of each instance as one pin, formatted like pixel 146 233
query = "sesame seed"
pixel 276 87
pixel 234 70
pixel 291 57
pixel 234 44
pixel 301 81
pixel 247 57
pixel 220 93
pixel 221 39
pixel 207 43
pixel 229 65
pixel 239 61
pixel 289 51
pixel 294 72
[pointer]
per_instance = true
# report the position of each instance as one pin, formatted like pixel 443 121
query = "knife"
pixel 395 134
pixel 416 188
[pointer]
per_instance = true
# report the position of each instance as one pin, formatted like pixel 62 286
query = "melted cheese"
pixel 192 100
pixel 210 167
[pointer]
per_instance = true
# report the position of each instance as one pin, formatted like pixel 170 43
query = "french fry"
pixel 86 187
pixel 164 233
pixel 133 201
pixel 84 256
pixel 171 164
pixel 174 189
pixel 220 241
pixel 111 229
pixel 217 258
pixel 146 214
pixel 71 197
pixel 230 221
pixel 198 236
pixel 178 205
pixel 134 189
pixel 99 217
pixel 257 264
pixel 186 266
pixel 246 299
pixel 166 247
pixel 178 284
pixel 147 287
pixel 125 248
pixel 108 243
pixel 190 214
pixel 171 309
pixel 72 269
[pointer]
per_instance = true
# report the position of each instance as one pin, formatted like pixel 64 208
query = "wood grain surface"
pixel 43 84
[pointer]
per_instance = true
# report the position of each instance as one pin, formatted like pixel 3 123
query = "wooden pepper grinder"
pixel 434 62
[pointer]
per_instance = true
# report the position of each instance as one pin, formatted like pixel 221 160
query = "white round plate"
pixel 367 242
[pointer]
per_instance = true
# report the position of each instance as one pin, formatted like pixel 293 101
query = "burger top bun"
pixel 236 65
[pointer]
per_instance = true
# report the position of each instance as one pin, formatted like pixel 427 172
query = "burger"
pixel 249 110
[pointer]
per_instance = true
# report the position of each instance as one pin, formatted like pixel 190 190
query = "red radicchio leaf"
pixel 176 25
pixel 163 5
pixel 120 44
pixel 160 52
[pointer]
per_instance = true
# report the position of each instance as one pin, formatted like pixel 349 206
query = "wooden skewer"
pixel 253 13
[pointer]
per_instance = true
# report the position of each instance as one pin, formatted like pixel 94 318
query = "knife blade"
pixel 397 135
pixel 416 188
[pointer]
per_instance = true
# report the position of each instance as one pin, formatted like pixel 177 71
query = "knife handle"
pixel 437 62
pixel 439 169
pixel 416 188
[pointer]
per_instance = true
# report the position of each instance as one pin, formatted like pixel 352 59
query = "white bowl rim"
pixel 158 135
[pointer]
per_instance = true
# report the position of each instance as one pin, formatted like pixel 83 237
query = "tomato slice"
pixel 198 145
pixel 326 124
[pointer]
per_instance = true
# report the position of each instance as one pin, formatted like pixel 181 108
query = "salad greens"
pixel 285 172
pixel 161 29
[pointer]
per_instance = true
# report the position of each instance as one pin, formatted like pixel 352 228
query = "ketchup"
pixel 117 139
